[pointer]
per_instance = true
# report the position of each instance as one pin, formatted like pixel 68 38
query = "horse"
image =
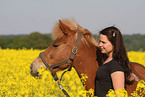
pixel 60 53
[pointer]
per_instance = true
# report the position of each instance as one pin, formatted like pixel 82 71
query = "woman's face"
pixel 105 45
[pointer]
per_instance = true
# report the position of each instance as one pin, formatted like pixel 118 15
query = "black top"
pixel 103 80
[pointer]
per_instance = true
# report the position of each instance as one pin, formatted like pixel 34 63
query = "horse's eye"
pixel 55 45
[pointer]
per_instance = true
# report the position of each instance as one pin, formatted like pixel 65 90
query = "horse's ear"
pixel 86 32
pixel 64 28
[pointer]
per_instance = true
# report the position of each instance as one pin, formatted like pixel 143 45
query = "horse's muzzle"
pixel 34 74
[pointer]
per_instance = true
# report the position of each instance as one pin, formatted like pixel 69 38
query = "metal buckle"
pixel 74 51
pixel 68 60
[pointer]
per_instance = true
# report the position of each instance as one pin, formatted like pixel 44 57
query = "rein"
pixel 68 61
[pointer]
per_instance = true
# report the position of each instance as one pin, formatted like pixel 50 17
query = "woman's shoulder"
pixel 114 66
pixel 115 62
pixel 112 62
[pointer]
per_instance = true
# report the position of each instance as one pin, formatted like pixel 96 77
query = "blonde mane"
pixel 57 31
pixel 72 24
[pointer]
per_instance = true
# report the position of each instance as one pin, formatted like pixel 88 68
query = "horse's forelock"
pixel 57 31
pixel 73 26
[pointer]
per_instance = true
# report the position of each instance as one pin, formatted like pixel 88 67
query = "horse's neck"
pixel 85 63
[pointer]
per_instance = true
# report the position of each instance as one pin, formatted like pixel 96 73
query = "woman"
pixel 114 69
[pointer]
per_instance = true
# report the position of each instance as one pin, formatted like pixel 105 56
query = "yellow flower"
pixel 118 93
pixel 16 81
pixel 140 89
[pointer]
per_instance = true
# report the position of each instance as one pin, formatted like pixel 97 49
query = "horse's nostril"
pixel 31 66
pixel 31 72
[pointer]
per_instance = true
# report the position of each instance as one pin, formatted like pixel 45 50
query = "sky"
pixel 28 16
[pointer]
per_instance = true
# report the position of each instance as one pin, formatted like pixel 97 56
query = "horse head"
pixel 66 35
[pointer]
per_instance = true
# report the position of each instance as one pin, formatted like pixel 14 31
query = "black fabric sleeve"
pixel 115 66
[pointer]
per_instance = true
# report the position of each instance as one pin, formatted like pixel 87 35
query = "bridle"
pixel 68 61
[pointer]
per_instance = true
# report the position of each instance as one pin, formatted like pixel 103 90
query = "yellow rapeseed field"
pixel 15 78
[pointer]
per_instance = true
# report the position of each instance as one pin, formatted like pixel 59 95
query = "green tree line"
pixel 37 40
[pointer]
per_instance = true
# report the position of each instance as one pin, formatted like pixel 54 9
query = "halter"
pixel 68 61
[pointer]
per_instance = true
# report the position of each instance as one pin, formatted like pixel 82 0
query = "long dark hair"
pixel 119 54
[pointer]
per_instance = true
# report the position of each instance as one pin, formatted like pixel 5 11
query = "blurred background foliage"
pixel 37 40
pixel 34 40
